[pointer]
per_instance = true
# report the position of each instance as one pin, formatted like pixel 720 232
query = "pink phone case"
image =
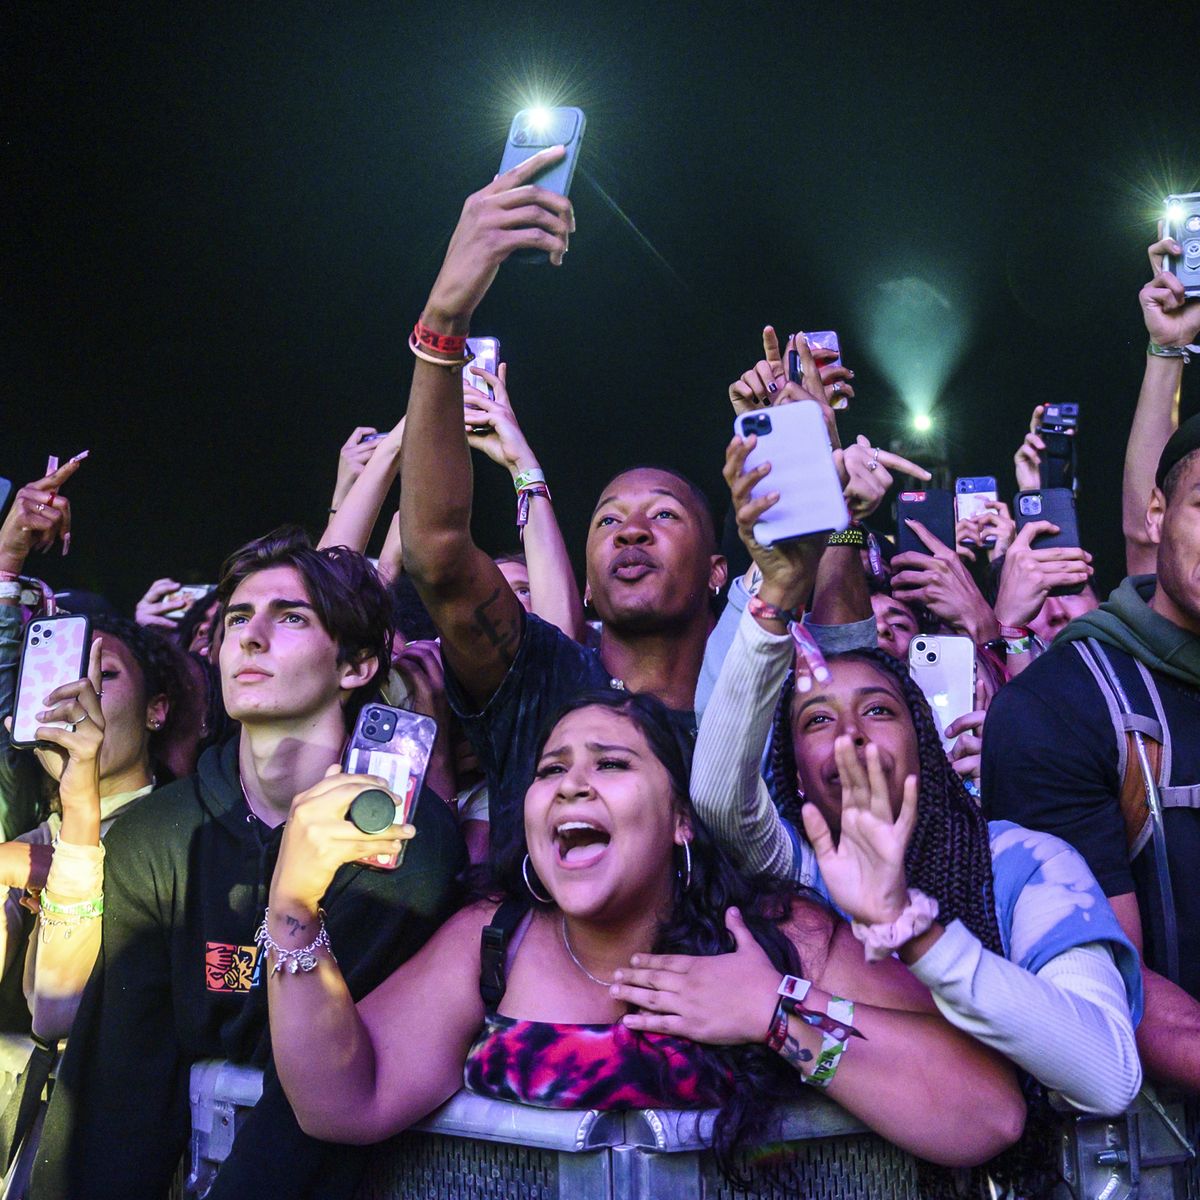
pixel 55 652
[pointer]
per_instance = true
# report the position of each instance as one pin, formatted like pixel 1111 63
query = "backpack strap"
pixel 1154 829
pixel 1135 812
pixel 493 951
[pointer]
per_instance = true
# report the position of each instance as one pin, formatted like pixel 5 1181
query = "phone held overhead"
pixel 1183 226
pixel 536 129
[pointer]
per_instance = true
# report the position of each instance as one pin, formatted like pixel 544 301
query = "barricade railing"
pixel 474 1148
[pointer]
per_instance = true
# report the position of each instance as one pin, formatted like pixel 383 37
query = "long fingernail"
pixel 66 544
pixel 79 457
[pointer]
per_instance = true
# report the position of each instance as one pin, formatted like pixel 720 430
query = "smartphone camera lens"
pixel 35 641
pixel 49 633
pixel 370 731
pixel 931 657
pixel 373 715
pixel 37 629
pixel 920 646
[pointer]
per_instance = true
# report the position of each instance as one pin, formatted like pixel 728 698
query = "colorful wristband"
pixel 1184 352
pixel 830 1056
pixel 451 345
pixel 525 478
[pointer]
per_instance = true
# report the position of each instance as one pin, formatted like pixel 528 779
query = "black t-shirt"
pixel 549 670
pixel 1050 762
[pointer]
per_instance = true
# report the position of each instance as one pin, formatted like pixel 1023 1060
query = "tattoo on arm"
pixel 502 634
pixel 294 926
pixel 795 1053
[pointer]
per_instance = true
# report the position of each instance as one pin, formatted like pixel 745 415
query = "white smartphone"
pixel 55 652
pixel 944 669
pixel 794 440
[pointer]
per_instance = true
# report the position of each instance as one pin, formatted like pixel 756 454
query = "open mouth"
pixel 580 843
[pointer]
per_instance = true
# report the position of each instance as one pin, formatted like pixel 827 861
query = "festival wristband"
pixel 448 344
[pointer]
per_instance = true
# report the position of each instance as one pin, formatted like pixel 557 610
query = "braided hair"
pixel 948 857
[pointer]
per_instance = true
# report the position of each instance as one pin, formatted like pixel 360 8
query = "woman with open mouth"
pixel 620 962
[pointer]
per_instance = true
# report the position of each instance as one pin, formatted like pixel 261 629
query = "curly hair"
pixel 696 921
pixel 949 857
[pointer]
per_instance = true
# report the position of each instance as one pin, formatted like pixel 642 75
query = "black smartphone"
pixel 1056 505
pixel 1058 428
pixel 934 508
pixel 535 129
pixel 1183 224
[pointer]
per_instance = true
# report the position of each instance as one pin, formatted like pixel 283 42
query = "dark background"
pixel 222 220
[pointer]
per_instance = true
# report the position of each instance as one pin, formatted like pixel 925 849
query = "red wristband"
pixel 1014 632
pixel 451 345
pixel 769 612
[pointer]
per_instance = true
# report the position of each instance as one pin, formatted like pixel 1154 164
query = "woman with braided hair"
pixel 1006 927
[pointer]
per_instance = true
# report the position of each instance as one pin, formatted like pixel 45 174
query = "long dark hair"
pixel 696 922
pixel 948 856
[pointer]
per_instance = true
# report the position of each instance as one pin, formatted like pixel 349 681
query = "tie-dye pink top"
pixel 591 1066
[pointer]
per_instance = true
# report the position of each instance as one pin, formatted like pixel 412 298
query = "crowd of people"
pixel 690 839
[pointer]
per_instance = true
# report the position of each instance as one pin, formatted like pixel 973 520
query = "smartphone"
pixel 944 669
pixel 395 746
pixel 1183 224
pixel 1057 429
pixel 1058 506
pixel 55 651
pixel 534 129
pixel 972 494
pixel 825 340
pixel 934 508
pixel 182 598
pixel 794 440
pixel 487 356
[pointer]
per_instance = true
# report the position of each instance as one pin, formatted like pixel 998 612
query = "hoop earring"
pixel 686 873
pixel 525 876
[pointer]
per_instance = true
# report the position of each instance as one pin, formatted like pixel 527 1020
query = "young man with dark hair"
pixel 306 635
pixel 652 560
pixel 1057 757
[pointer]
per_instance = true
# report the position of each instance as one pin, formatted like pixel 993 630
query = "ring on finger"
pixel 40 508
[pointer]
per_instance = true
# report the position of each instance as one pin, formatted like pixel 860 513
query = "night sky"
pixel 222 220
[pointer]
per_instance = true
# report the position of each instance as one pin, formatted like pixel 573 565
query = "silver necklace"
pixel 567 943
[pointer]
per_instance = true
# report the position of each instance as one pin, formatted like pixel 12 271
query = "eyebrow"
pixel 277 605
pixel 859 693
pixel 594 747
pixel 655 491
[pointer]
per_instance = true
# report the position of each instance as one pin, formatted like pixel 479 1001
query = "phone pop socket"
pixel 372 811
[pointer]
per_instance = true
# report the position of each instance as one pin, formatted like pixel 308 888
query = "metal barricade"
pixel 473 1148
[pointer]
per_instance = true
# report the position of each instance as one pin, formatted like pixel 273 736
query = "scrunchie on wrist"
pixel 881 941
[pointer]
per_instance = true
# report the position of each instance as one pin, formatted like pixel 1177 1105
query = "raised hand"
pixel 502 439
pixel 864 871
pixel 1029 575
pixel 153 608
pixel 39 517
pixel 788 567
pixel 352 457
pixel 966 755
pixel 509 214
pixel 1171 318
pixel 721 999
pixel 1028 458
pixel 941 582
pixel 866 477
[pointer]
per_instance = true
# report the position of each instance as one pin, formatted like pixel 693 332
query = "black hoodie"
pixel 187 873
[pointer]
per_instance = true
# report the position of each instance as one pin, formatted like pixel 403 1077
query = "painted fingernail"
pixel 772 388
pixel 79 457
